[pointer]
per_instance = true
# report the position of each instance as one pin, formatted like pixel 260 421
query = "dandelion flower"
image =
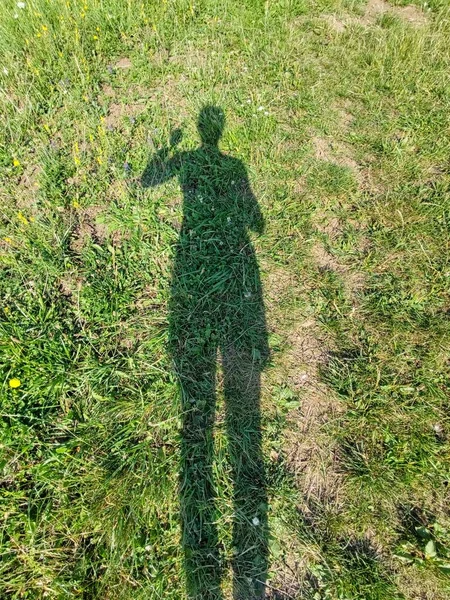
pixel 14 383
pixel 16 163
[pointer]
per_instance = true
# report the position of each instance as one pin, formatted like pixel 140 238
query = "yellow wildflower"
pixel 16 163
pixel 22 218
pixel 76 204
pixel 14 383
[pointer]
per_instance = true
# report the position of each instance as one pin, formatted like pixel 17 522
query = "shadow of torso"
pixel 216 283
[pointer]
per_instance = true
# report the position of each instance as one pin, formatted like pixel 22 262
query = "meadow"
pixel 225 299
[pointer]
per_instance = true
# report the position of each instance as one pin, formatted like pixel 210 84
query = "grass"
pixel 232 355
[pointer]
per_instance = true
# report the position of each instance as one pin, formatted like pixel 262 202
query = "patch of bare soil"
pixel 330 226
pixel 374 8
pixel 410 14
pixel 325 261
pixel 28 187
pixel 70 287
pixel 335 22
pixel 89 228
pixel 345 115
pixel 118 111
pixel 108 90
pixel 307 349
pixel 307 450
pixel 332 151
pixel 123 63
pixel 277 284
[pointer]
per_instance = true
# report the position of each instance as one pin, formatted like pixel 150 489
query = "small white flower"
pixel 255 521
pixel 16 16
pixel 228 219
pixel 260 108
pixel 5 70
pixel 21 5
pixel 148 548
pixel 249 101
pixel 232 182
pixel 266 112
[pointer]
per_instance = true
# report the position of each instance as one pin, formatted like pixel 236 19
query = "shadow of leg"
pixel 200 541
pixel 242 392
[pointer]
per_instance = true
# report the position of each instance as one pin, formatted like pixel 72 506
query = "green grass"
pixel 233 359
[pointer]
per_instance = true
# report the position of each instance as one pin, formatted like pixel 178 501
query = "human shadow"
pixel 216 310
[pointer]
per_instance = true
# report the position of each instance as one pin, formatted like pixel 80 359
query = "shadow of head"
pixel 211 122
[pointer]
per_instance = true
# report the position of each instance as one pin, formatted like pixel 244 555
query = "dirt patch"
pixel 160 57
pixel 331 151
pixel 372 10
pixel 412 14
pixel 335 22
pixel 123 63
pixel 29 178
pixel 375 8
pixel 117 112
pixel 324 260
pixel 117 190
pixel 312 460
pixel 89 228
pixel 278 283
pixel 108 90
pixel 345 116
pixel 28 187
pixel 308 348
pixel 330 226
pixel 70 287
pixel 352 280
